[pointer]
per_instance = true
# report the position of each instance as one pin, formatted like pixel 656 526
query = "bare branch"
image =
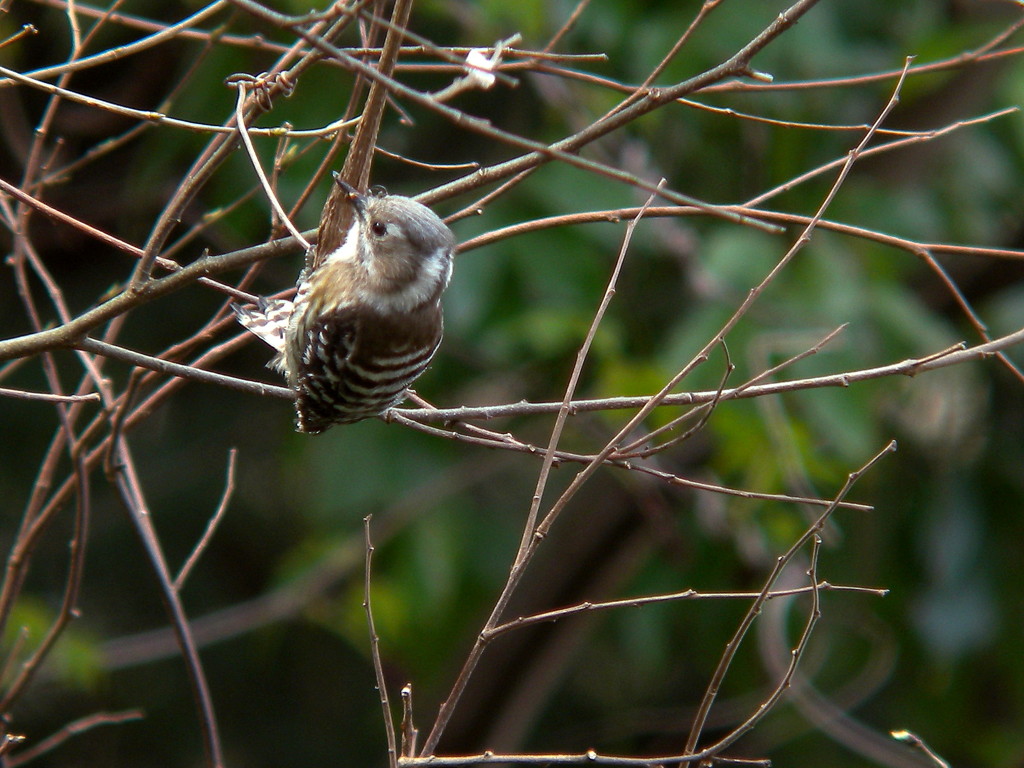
pixel 378 667
pixel 211 526
pixel 685 595
pixel 69 731
pixel 48 397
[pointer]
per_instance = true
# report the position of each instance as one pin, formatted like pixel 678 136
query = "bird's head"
pixel 404 247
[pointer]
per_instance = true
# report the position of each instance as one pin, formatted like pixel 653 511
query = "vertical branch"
pixel 68 609
pixel 409 731
pixel 341 139
pixel 356 170
pixel 243 133
pixel 570 389
pixel 336 216
pixel 131 493
pixel 211 526
pixel 378 667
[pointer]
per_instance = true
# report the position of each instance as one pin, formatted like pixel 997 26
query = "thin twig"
pixel 703 413
pixel 510 443
pixel 378 666
pixel 590 757
pixel 160 118
pixel 409 732
pixel 570 390
pixel 243 132
pixel 183 371
pixel 69 731
pixel 908 737
pixel 48 397
pixel 685 595
pixel 211 526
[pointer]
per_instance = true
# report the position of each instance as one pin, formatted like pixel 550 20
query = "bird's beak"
pixel 352 195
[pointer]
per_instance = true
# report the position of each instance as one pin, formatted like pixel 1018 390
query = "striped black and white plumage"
pixel 366 320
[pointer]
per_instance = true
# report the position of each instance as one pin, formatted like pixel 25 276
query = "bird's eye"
pixel 379 228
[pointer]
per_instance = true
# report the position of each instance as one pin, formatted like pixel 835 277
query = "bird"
pixel 366 318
